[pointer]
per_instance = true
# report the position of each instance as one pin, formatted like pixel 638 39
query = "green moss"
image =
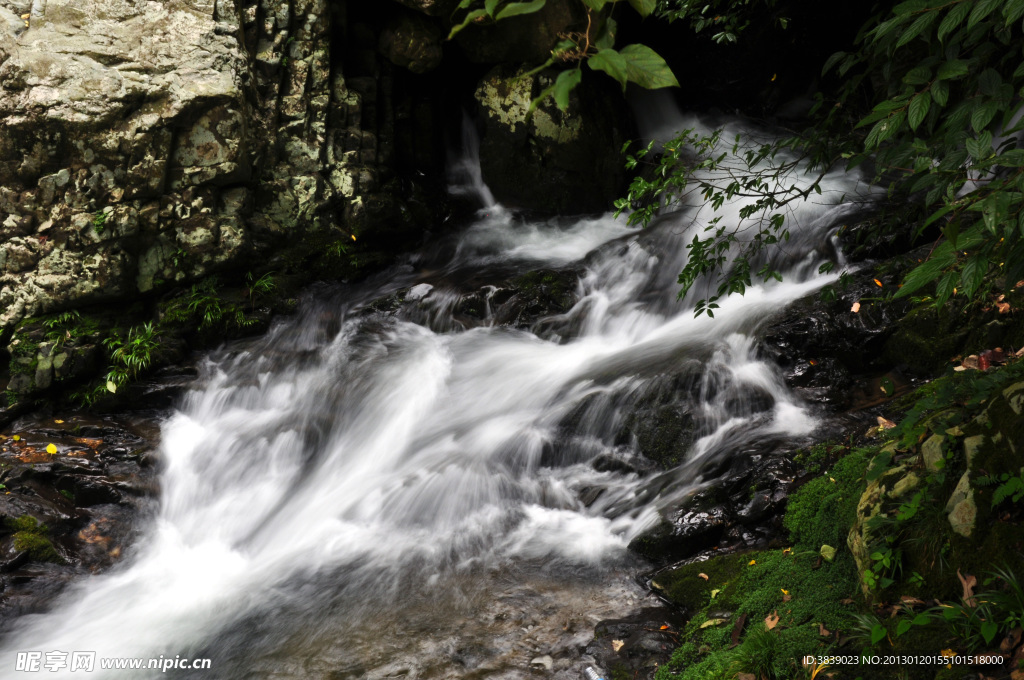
pixel 823 510
pixel 33 538
pixel 684 587
pixel 39 548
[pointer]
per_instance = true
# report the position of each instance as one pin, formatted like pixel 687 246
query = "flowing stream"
pixel 368 492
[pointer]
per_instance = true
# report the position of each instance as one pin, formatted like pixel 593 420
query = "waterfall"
pixel 360 488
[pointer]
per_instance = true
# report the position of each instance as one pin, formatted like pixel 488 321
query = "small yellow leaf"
pixel 51 449
pixel 715 592
pixel 948 653
pixel 353 237
pixel 878 283
pixel 786 551
pixel 16 438
pixel 774 76
pixel 59 421
pixel 713 622
pixel 784 591
pixel 751 563
pixel 111 386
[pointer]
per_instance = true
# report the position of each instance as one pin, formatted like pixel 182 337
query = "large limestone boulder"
pixel 145 142
pixel 550 161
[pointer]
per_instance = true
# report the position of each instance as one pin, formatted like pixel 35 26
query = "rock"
pixel 148 144
pixel 555 162
pixel 933 452
pixel 431 7
pixel 824 348
pixel 963 515
pixel 960 493
pixel 411 41
pixel 971 447
pixel 525 39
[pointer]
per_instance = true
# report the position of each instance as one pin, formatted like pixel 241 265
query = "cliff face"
pixel 148 143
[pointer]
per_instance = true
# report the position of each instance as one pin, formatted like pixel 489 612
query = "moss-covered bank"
pixel 910 545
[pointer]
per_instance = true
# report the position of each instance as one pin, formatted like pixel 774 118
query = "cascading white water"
pixel 352 472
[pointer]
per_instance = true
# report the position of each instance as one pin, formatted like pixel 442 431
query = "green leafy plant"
pixel 259 287
pixel 595 46
pixel 1012 488
pixel 130 354
pixel 726 18
pixel 708 169
pixel 99 221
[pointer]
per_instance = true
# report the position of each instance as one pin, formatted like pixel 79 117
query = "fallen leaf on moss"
pixel 885 423
pixel 823 631
pixel 855 308
pixel 703 576
pixel 713 622
pixel 751 563
pixel 772 620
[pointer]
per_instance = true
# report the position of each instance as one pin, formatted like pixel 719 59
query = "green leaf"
pixel 903 627
pixel 940 92
pixel 918 109
pixel 644 7
pixel 490 5
pixel 564 84
pixel 921 276
pixel 646 68
pixel 111 386
pixel 989 630
pixel 832 61
pixel 606 38
pixel 973 274
pixel 954 68
pixel 612 63
pixel 467 20
pixel 989 82
pixel 953 19
pixel 513 9
pixel 916 28
pixel 945 289
pixel 983 115
pixel 981 10
pixel 918 75
pixel 1013 10
pixel 877 633
pixel 937 214
pixel 922 619
pixel 595 5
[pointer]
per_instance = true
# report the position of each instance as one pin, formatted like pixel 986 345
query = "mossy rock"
pixel 684 587
pixel 32 538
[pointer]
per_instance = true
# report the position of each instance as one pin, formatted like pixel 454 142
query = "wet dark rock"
pixel 635 646
pixel 66 513
pixel 411 41
pixel 824 348
pixel 537 294
pixel 741 510
pixel 552 162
